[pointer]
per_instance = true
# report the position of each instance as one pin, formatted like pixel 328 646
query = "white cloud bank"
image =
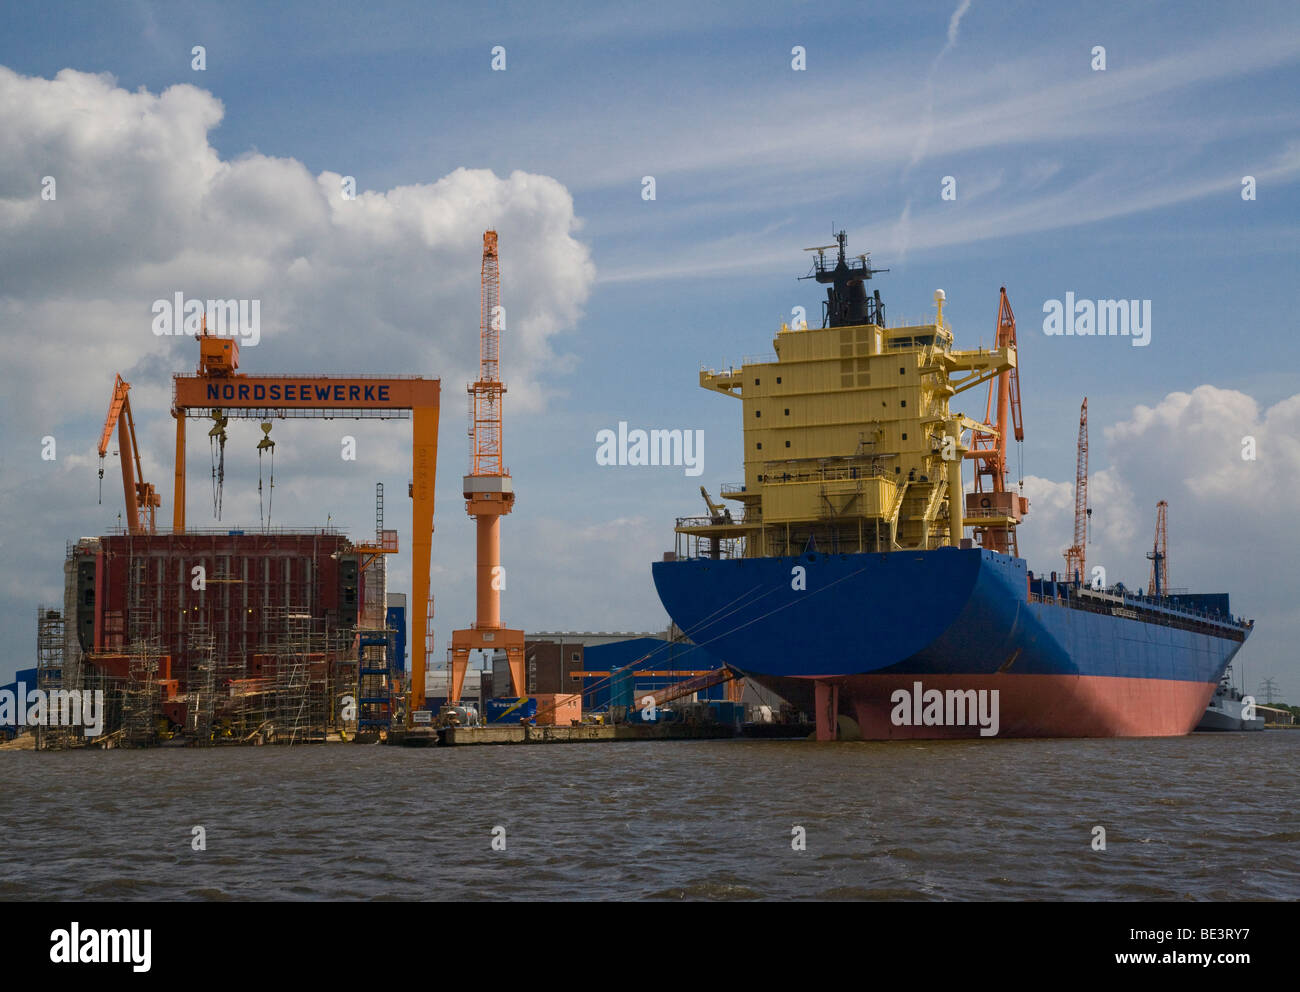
pixel 146 207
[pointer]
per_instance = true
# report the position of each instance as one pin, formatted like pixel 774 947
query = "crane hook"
pixel 263 446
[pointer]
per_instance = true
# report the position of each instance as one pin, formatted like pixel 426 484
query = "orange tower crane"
pixel 489 492
pixel 141 498
pixel 1076 558
pixel 1158 584
pixel 992 509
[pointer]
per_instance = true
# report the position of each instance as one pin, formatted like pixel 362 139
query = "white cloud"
pixel 1224 511
pixel 146 208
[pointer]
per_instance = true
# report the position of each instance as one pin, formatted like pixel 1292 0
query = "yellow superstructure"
pixel 850 442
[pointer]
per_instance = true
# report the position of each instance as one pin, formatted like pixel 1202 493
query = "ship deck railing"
pixel 1149 611
pixel 736 520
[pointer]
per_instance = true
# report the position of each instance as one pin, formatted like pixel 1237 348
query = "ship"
pixel 858 579
pixel 1229 709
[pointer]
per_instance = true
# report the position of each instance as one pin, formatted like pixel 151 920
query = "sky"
pixel 1126 181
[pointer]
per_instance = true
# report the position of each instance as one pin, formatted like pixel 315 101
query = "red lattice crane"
pixel 488 490
pixel 1076 559
pixel 141 498
pixel 1158 583
pixel 991 508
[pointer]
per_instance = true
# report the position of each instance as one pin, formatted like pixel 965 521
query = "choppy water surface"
pixel 1202 817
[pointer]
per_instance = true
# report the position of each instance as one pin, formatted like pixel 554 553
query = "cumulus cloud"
pixel 1223 509
pixel 145 207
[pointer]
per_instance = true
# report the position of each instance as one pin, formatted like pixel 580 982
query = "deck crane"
pixel 1158 584
pixel 1076 558
pixel 994 511
pixel 141 498
pixel 488 490
pixel 718 514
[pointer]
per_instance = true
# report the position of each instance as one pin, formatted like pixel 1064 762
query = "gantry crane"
pixel 1158 584
pixel 217 391
pixel 1076 558
pixel 488 490
pixel 991 509
pixel 141 498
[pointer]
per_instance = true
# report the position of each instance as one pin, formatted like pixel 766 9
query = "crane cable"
pixel 264 445
pixel 217 448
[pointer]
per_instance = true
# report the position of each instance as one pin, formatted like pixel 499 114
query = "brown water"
pixel 1201 817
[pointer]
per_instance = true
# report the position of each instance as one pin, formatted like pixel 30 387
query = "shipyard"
pixel 208 636
pixel 619 455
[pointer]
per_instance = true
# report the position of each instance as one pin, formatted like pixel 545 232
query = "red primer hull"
pixel 1031 705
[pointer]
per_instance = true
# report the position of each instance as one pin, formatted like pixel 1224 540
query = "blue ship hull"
pixel 857 628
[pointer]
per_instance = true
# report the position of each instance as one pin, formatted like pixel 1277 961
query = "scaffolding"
pixel 49 679
pixel 377 680
pixel 217 638
pixel 201 712
pixel 141 702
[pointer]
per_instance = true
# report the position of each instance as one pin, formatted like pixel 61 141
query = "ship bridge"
pixel 850 442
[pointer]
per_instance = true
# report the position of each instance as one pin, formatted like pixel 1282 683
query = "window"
pixel 787 411
pixel 758 413
pixel 902 402
pixel 755 382
pixel 902 370
pixel 904 436
pixel 778 380
pixel 787 444
pixel 759 446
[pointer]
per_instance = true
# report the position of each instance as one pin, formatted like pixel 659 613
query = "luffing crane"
pixel 995 515
pixel 1158 584
pixel 1076 558
pixel 141 498
pixel 488 489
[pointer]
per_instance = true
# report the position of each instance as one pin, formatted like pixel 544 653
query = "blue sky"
pixel 1117 183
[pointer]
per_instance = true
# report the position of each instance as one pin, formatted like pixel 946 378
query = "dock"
pixel 581 734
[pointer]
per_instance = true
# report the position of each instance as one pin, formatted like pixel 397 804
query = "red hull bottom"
pixel 863 706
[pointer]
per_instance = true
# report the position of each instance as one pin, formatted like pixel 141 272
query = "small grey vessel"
pixel 1226 709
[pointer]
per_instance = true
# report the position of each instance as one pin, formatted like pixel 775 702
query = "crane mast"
pixel 488 490
pixel 1076 562
pixel 1158 583
pixel 486 393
